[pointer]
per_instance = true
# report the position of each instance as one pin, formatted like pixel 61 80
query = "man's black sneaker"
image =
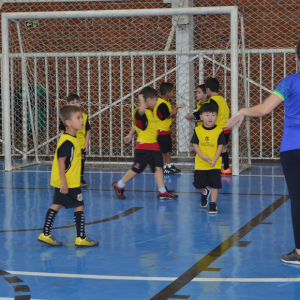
pixel 291 258
pixel 174 169
pixel 168 171
pixel 204 198
pixel 213 208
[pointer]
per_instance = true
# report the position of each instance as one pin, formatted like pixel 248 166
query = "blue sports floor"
pixel 149 249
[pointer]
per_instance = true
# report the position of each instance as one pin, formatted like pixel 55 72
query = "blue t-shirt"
pixel 289 91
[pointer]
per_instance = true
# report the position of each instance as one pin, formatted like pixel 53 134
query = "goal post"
pixel 235 74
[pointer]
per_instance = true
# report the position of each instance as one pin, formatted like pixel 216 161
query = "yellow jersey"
pixel 208 144
pixel 163 125
pixel 223 113
pixel 68 146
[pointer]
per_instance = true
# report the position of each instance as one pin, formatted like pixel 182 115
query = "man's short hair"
pixel 202 87
pixel 72 97
pixel 208 107
pixel 213 84
pixel 165 87
pixel 66 113
pixel 149 92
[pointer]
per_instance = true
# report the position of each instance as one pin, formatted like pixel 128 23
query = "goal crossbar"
pixel 232 10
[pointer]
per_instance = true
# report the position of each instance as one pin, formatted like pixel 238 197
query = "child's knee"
pixel 79 208
pixel 56 207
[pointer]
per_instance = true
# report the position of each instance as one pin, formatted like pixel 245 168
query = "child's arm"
pixel 189 116
pixel 199 153
pixel 62 175
pixel 218 153
pixel 87 139
pixel 174 111
pixel 142 108
pixel 128 138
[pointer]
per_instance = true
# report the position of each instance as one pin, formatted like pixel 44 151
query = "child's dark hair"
pixel 165 87
pixel 72 97
pixel 208 107
pixel 213 84
pixel 298 50
pixel 202 87
pixel 149 92
pixel 66 112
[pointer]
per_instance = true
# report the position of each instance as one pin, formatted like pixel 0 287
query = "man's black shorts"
pixel 165 143
pixel 227 136
pixel 144 157
pixel 211 178
pixel 72 199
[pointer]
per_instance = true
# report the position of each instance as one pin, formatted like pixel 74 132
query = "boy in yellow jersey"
pixel 201 97
pixel 82 135
pixel 147 148
pixel 163 114
pixel 212 89
pixel 65 178
pixel 208 141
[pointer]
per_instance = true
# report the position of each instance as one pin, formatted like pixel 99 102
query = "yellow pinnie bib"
pixel 149 135
pixel 74 171
pixel 223 113
pixel 165 124
pixel 208 144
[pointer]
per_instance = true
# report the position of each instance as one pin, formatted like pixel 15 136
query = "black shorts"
pixel 227 136
pixel 211 178
pixel 72 199
pixel 144 157
pixel 165 143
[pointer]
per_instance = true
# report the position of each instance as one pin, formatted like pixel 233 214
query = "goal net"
pixel 107 57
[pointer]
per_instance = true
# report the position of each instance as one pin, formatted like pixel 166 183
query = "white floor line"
pixel 3 298
pixel 139 278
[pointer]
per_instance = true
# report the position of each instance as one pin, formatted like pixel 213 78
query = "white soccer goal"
pixel 107 57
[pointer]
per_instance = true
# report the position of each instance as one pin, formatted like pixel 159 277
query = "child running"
pixel 82 135
pixel 65 178
pixel 201 97
pixel 147 148
pixel 208 141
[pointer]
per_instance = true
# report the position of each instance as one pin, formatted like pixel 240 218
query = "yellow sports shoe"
pixel 49 239
pixel 86 242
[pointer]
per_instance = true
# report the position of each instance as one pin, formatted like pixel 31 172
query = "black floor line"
pixel 118 216
pixel 169 292
pixel 136 191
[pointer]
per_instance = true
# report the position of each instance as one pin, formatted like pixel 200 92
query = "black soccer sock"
pixel 80 224
pixel 225 158
pixel 50 217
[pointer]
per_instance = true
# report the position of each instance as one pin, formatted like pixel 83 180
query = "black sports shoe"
pixel 213 208
pixel 83 183
pixel 204 198
pixel 168 171
pixel 174 169
pixel 291 258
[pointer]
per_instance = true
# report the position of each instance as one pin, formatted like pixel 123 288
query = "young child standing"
pixel 163 114
pixel 65 178
pixel 147 148
pixel 208 141
pixel 212 86
pixel 201 97
pixel 82 135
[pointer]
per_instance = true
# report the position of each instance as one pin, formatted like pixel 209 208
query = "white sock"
pixel 165 166
pixel 121 184
pixel 169 165
pixel 205 193
pixel 162 190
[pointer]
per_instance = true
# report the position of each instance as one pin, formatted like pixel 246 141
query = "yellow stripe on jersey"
pixel 208 144
pixel 73 172
pixel 223 113
pixel 162 124
pixel 149 135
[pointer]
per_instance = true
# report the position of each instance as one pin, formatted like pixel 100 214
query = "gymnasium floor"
pixel 149 249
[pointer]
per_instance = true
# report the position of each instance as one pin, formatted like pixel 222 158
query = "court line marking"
pixel 122 172
pixel 140 278
pixel 3 298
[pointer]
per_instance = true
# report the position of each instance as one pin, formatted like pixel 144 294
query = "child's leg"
pixel 159 179
pixel 168 158
pixel 50 217
pixel 225 158
pixel 214 195
pixel 130 174
pixel 164 158
pixel 79 221
pixel 203 191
